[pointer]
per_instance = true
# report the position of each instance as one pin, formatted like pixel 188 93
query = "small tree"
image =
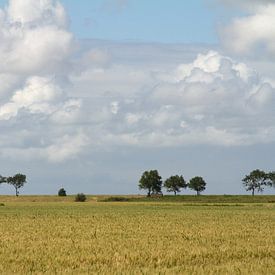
pixel 151 181
pixel 62 192
pixel 80 197
pixel 17 181
pixel 174 184
pixel 198 184
pixel 256 180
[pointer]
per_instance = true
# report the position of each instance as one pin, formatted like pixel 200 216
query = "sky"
pixel 93 93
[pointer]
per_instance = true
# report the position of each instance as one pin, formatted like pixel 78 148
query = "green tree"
pixel 151 181
pixel 256 180
pixel 17 181
pixel 174 184
pixel 3 179
pixel 62 192
pixel 198 184
pixel 271 178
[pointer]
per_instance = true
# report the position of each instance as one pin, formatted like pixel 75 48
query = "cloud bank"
pixel 59 101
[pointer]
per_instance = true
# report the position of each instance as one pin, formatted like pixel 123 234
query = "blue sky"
pixel 185 87
pixel 146 21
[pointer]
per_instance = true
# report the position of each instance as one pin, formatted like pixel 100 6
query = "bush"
pixel 80 197
pixel 2 204
pixel 62 192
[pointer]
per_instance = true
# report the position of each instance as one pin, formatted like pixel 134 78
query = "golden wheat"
pixel 136 238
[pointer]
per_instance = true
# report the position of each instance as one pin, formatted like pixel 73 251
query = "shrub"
pixel 2 204
pixel 80 197
pixel 62 192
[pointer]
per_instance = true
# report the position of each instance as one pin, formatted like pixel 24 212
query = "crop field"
pixel 40 235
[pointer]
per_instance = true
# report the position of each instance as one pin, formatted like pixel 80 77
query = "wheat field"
pixel 39 237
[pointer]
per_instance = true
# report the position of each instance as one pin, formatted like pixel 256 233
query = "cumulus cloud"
pixel 33 37
pixel 37 12
pixel 253 33
pixel 56 104
pixel 35 51
pixel 40 96
pixel 213 100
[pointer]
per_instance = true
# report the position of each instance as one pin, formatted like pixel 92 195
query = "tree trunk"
pixel 253 191
pixel 175 192
pixel 16 192
pixel 198 193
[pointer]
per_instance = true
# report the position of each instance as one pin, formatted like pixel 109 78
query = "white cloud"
pixel 61 149
pixel 33 37
pixel 35 53
pixel 213 100
pixel 66 147
pixel 56 106
pixel 252 33
pixel 38 96
pixel 37 12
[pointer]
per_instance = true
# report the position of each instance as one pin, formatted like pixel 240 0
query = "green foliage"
pixel 256 181
pixel 114 199
pixel 198 184
pixel 3 179
pixel 80 197
pixel 175 183
pixel 271 178
pixel 62 192
pixel 17 181
pixel 151 181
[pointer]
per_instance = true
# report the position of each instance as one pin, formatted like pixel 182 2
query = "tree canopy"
pixel 17 181
pixel 151 181
pixel 175 184
pixel 256 181
pixel 198 184
pixel 62 192
pixel 3 179
pixel 271 178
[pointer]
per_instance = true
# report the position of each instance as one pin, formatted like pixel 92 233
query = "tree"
pixel 17 181
pixel 151 180
pixel 3 179
pixel 198 184
pixel 271 179
pixel 174 184
pixel 62 192
pixel 256 180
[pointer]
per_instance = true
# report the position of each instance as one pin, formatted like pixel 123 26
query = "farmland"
pixel 50 235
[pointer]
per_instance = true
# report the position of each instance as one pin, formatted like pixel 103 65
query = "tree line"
pixel 17 181
pixel 152 182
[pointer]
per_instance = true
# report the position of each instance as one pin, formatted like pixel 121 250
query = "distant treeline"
pixel 152 182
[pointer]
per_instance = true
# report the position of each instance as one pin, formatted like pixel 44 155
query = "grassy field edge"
pixel 141 198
